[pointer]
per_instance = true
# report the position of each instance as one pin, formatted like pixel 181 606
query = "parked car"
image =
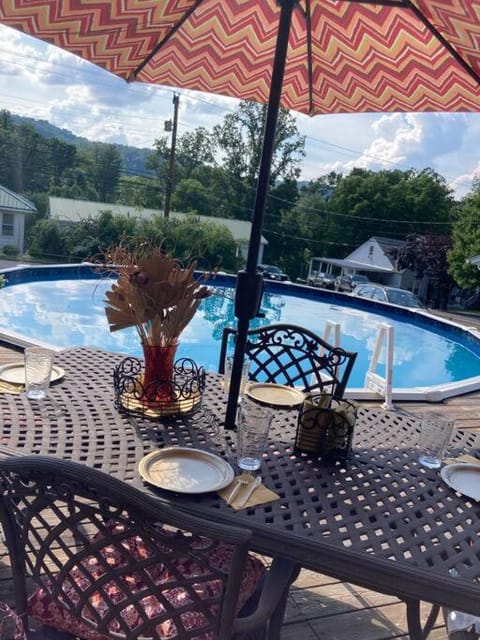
pixel 329 281
pixel 348 282
pixel 271 272
pixel 321 279
pixel 393 295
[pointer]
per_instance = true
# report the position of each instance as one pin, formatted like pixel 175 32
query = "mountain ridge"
pixel 133 158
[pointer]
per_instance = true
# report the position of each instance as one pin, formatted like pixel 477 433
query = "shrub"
pixel 10 250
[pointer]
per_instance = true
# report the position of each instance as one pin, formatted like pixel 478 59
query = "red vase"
pixel 158 374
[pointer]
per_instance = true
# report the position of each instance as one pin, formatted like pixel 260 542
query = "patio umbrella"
pixel 313 56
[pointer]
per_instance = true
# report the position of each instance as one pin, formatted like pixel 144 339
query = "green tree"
pixel 75 183
pixel 30 150
pixel 47 241
pixel 222 191
pixel 158 161
pixel 194 150
pixel 139 191
pixel 240 138
pixel 91 236
pixel 192 196
pixel 304 229
pixel 7 146
pixel 388 203
pixel 104 164
pixel 426 255
pixel 61 158
pixel 466 241
pixel 190 238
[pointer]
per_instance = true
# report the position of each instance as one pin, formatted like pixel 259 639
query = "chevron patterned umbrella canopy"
pixel 343 55
pixel 313 56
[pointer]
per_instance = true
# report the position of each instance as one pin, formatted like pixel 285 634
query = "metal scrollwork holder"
pixel 326 431
pixel 181 394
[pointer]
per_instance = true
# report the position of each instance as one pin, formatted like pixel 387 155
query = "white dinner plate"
pixel 464 478
pixel 278 395
pixel 15 373
pixel 186 470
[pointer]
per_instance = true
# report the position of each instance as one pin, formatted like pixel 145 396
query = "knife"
pixel 256 483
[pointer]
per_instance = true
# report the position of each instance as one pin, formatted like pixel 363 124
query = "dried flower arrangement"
pixel 154 293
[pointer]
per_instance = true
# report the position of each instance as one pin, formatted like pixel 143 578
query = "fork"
pixel 256 483
pixel 242 481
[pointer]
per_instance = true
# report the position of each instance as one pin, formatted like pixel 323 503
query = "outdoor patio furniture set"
pixel 109 558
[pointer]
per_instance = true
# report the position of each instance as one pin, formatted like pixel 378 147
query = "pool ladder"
pixel 382 385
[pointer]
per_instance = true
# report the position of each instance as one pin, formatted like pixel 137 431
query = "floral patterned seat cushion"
pixel 51 609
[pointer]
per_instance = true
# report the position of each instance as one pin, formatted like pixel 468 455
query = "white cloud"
pixel 462 184
pixel 45 82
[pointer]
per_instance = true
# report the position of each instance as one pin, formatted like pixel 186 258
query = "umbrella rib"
pixel 172 31
pixel 308 18
pixel 445 42
pixel 433 30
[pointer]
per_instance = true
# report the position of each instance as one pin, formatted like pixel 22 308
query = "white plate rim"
pixel 448 470
pixel 168 451
pixel 57 372
pixel 272 385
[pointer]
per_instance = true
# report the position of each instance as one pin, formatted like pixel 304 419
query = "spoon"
pixel 257 482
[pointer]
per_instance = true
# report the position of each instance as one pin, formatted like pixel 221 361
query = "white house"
pixel 376 258
pixel 14 208
pixel 68 210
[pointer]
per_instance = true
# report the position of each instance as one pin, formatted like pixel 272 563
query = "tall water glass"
pixel 435 434
pixel 228 374
pixel 38 371
pixel 252 433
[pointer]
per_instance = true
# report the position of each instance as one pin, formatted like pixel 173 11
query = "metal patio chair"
pixel 109 561
pixel 294 356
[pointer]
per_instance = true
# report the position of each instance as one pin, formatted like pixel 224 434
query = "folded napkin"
pixel 260 495
pixel 463 458
pixel 11 387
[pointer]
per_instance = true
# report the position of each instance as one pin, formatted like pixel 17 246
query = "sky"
pixel 44 82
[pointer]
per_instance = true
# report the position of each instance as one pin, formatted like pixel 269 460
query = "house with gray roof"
pixel 68 210
pixel 377 259
pixel 14 210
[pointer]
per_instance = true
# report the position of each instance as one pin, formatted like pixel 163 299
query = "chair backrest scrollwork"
pixel 292 355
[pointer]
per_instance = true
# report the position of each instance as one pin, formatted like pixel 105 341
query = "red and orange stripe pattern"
pixel 365 57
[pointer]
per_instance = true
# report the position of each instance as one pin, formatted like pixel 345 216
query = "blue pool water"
pixel 70 312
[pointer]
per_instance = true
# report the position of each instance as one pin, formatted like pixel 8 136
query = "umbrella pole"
pixel 249 287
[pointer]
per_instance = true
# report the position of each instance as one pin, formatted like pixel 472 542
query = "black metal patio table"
pixel 380 520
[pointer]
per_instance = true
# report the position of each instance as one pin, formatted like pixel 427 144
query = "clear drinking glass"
pixel 435 434
pixel 38 371
pixel 252 432
pixel 228 374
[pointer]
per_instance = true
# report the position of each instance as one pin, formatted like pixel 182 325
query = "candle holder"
pixel 326 431
pixel 180 394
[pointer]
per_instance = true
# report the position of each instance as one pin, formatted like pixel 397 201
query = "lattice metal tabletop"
pixel 379 520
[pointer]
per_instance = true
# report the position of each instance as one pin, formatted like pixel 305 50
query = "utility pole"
pixel 171 163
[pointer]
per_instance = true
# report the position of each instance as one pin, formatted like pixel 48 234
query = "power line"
pixel 89 69
pixel 290 204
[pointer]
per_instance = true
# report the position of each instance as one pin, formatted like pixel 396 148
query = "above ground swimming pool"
pixel 44 305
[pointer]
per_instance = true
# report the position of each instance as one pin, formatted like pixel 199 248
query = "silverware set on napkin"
pixel 246 484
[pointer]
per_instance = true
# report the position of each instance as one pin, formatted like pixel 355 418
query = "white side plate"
pixel 278 395
pixel 464 478
pixel 15 373
pixel 185 470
